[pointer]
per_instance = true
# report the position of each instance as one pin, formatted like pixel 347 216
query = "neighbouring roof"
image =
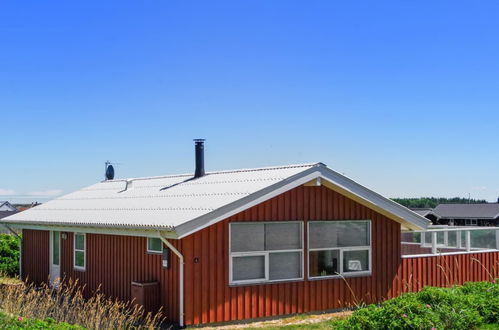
pixel 468 211
pixel 184 205
pixel 6 206
pixel 4 214
pixel 424 211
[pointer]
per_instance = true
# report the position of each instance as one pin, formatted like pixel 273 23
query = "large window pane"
pixel 355 261
pixel 247 237
pixel 282 236
pixel 285 265
pixel 338 234
pixel 353 233
pixel 248 268
pixel 322 235
pixel 324 263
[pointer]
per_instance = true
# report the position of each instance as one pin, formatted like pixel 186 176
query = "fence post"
pixel 468 240
pixel 434 242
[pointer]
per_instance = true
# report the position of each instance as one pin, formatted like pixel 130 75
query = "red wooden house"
pixel 226 245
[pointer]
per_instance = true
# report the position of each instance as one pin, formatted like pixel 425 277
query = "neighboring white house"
pixel 6 207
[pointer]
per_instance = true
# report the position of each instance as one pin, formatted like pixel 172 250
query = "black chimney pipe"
pixel 199 146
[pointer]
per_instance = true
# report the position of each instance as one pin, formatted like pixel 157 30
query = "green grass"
pixel 12 322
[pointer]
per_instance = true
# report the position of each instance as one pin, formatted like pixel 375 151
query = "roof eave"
pixel 126 230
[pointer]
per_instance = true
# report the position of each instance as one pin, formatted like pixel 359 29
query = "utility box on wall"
pixel 147 294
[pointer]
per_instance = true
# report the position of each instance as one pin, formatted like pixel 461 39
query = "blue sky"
pixel 401 96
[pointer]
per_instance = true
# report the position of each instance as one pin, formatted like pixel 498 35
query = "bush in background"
pixel 9 254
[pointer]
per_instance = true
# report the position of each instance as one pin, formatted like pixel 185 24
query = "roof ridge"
pixel 267 168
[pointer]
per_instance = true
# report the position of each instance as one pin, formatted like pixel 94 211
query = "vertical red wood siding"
pixel 209 298
pixel 113 262
pixel 35 251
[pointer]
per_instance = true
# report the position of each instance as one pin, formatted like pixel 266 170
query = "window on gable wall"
pixel 339 248
pixel 266 252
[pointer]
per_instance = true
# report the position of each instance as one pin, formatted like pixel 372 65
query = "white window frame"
pixel 266 255
pixel 471 222
pixel 341 250
pixel 154 251
pixel 81 268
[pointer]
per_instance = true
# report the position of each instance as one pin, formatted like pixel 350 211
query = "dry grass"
pixel 67 304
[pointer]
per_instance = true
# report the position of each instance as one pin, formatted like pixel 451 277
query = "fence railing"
pixel 449 240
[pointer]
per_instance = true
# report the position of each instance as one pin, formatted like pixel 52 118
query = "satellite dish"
pixel 109 172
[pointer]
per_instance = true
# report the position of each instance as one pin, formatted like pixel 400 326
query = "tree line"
pixel 431 202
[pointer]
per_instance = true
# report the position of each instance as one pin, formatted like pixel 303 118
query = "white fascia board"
pixel 374 198
pixel 247 202
pixel 97 230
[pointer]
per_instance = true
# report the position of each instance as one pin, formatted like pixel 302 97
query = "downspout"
pixel 181 278
pixel 20 250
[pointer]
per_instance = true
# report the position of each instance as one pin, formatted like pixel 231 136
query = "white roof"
pixel 182 204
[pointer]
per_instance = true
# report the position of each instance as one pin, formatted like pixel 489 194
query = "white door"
pixel 55 256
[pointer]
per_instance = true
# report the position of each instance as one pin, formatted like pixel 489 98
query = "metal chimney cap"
pixel 199 152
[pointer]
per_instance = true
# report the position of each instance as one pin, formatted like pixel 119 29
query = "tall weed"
pixel 67 304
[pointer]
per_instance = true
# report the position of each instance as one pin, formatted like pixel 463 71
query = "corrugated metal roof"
pixel 468 211
pixel 159 202
pixel 4 214
pixel 184 205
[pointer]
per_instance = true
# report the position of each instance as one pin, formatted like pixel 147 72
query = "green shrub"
pixel 9 255
pixel 484 298
pixel 461 307
pixel 404 312
pixel 453 307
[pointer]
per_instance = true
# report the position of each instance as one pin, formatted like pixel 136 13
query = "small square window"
pixel 154 245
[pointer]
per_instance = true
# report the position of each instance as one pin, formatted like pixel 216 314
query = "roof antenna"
pixel 109 171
